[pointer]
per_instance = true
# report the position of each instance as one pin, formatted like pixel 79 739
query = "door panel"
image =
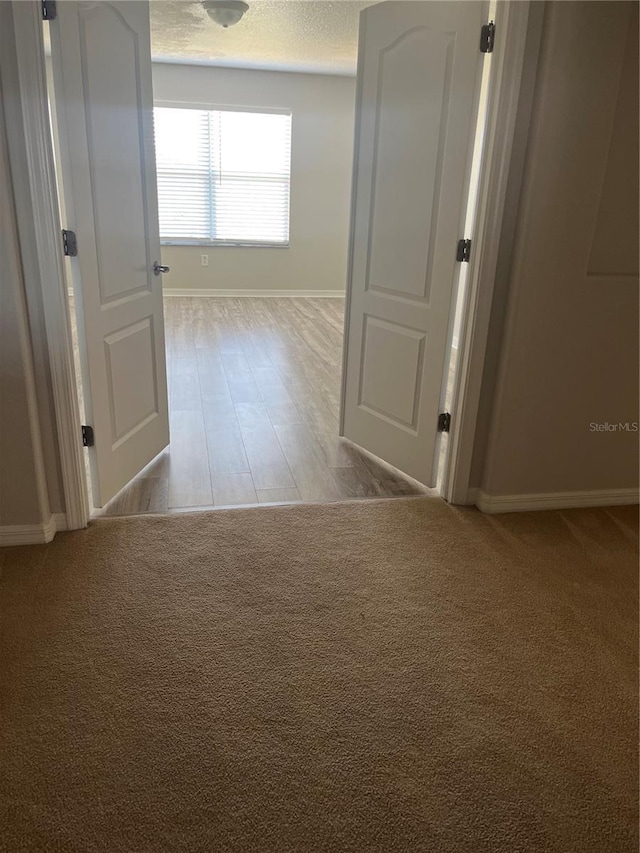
pixel 104 107
pixel 419 72
pixel 133 394
pixel 390 350
pixel 405 183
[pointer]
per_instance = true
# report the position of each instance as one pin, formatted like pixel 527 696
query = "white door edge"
pixel 352 231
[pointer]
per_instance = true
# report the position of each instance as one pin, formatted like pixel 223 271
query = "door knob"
pixel 159 268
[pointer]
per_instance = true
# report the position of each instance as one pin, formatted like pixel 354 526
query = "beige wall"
pixel 29 454
pixel 569 356
pixel 22 484
pixel 322 150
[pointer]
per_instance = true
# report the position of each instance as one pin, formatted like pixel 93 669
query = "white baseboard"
pixel 267 294
pixel 554 500
pixel 32 534
pixel 60 521
pixel 472 496
pixel 24 534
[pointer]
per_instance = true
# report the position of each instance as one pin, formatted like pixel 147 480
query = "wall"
pixel 322 151
pixel 569 356
pixel 30 471
pixel 22 485
pixel 30 271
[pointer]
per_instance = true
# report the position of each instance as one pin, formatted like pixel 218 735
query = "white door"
pixel 104 107
pixel 419 70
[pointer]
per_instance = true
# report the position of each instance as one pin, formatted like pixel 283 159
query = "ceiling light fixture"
pixel 226 13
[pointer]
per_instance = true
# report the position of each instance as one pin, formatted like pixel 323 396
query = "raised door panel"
pixel 389 351
pixel 133 393
pixel 407 163
pixel 114 122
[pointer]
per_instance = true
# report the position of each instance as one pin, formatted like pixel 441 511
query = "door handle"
pixel 159 268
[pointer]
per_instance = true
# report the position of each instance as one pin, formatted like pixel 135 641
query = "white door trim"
pixel 512 21
pixel 46 224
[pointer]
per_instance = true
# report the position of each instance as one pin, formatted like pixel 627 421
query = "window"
pixel 223 176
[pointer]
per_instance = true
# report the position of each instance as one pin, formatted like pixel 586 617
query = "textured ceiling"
pixel 317 36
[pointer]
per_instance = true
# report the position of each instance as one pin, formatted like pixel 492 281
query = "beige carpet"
pixel 377 676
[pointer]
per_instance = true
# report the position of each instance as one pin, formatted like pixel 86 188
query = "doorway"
pixel 264 386
pixel 253 382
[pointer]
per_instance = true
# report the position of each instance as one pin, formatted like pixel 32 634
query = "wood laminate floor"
pixel 254 390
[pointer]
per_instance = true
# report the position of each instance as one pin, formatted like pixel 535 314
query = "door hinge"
pixel 88 439
pixel 69 243
pixel 49 10
pixel 463 252
pixel 487 37
pixel 444 422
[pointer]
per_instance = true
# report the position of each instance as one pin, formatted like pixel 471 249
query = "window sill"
pixel 224 245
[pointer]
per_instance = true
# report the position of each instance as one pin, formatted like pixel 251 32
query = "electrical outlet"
pixel 204 260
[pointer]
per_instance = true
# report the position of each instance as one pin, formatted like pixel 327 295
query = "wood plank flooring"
pixel 254 389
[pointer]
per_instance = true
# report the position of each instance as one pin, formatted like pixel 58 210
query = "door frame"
pixel 40 182
pixel 508 59
pixel 514 20
pixel 511 33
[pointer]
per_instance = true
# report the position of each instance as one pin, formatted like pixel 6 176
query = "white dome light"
pixel 225 13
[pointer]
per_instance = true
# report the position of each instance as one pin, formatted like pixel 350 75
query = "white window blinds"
pixel 223 176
